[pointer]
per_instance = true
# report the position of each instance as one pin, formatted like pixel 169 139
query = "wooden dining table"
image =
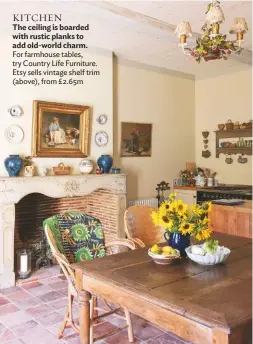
pixel 201 304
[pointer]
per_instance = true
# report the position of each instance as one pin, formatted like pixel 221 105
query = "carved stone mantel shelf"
pixel 13 189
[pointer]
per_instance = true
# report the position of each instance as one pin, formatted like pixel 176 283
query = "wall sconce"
pixel 24 263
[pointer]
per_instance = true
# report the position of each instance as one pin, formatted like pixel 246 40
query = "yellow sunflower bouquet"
pixel 175 216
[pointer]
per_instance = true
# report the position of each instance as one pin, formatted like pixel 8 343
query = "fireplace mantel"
pixel 13 189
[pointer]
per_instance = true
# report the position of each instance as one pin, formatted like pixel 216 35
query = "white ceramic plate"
pixel 14 134
pixel 15 111
pixel 102 119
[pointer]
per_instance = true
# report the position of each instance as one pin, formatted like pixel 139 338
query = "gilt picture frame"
pixel 60 130
pixel 136 139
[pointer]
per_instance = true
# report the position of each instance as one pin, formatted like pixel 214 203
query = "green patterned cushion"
pixel 78 236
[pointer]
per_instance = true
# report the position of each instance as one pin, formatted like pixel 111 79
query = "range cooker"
pixel 224 192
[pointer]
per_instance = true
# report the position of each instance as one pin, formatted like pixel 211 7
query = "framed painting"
pixel 136 139
pixel 60 130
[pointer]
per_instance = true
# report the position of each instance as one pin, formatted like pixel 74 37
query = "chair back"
pixel 139 224
pixel 75 235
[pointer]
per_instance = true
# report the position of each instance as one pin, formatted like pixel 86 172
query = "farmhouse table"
pixel 202 304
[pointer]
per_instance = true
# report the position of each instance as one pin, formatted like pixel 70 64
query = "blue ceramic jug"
pixel 178 241
pixel 105 163
pixel 13 165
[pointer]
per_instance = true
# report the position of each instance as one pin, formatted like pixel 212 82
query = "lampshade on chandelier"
pixel 212 45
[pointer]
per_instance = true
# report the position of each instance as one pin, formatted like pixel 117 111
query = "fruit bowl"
pixel 163 259
pixel 209 259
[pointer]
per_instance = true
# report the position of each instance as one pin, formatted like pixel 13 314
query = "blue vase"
pixel 13 165
pixel 105 163
pixel 178 241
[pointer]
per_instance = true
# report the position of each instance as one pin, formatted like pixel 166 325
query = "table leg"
pixel 84 316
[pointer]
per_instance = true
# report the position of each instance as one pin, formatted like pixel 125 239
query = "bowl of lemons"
pixel 163 255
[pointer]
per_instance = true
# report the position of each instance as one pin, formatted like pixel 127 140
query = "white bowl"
pixel 209 259
pixel 163 259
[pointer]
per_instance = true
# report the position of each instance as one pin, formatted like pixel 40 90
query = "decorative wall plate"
pixel 101 138
pixel 14 134
pixel 102 119
pixel 15 111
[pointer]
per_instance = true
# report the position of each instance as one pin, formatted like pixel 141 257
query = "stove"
pixel 224 192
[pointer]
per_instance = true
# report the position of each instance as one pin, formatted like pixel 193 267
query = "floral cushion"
pixel 77 235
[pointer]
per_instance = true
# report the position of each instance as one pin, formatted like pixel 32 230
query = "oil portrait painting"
pixel 136 139
pixel 60 130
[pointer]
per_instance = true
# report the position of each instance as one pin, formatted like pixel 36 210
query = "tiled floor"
pixel 31 313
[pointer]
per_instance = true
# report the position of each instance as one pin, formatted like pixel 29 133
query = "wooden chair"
pixel 139 227
pixel 72 291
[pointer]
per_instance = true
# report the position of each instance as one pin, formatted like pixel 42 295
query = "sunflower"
pixel 203 234
pixel 173 206
pixel 181 207
pixel 206 221
pixel 207 206
pixel 197 210
pixel 155 218
pixel 172 196
pixel 186 228
pixel 165 221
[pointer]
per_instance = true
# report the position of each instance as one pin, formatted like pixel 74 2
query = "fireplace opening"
pixel 34 208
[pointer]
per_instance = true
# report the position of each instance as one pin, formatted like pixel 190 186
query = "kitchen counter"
pixel 235 220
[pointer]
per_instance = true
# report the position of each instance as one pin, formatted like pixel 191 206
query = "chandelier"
pixel 212 45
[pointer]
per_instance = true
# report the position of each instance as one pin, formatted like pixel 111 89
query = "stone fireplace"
pixel 103 196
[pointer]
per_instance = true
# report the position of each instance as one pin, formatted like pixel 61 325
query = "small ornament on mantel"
pixel 28 167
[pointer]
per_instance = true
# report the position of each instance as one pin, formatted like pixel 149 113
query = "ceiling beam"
pixel 244 57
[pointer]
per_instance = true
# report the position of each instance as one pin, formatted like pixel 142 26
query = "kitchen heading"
pixel 37 17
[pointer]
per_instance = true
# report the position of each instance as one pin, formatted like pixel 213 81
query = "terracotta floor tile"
pixel 144 330
pixel 39 311
pixel 166 339
pixel 103 328
pixel 6 309
pixel 16 341
pixel 56 328
pixel 63 291
pixel 64 278
pixel 59 304
pixel 51 280
pixel 21 295
pixel 51 296
pixel 121 338
pixel 6 335
pixel 3 301
pixel 21 329
pixel 16 318
pixel 50 319
pixel 31 285
pixel 73 339
pixel 59 285
pixel 1 326
pixel 39 335
pixel 28 303
pixel 43 289
pixel 9 291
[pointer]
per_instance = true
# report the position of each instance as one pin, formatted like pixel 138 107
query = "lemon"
pixel 173 251
pixel 167 249
pixel 155 249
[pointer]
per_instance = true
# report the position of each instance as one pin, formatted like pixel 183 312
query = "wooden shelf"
pixel 237 150
pixel 235 133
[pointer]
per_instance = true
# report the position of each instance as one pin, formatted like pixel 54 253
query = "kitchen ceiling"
pixel 142 31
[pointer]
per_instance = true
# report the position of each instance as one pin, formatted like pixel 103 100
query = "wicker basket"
pixel 229 125
pixel 236 125
pixel 243 126
pixel 61 170
pixel 249 125
pixel 221 126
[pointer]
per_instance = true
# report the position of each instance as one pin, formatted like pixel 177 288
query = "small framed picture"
pixel 136 139
pixel 60 130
